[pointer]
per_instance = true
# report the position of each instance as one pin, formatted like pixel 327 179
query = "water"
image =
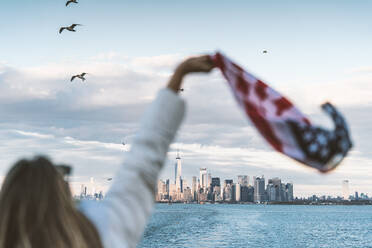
pixel 191 225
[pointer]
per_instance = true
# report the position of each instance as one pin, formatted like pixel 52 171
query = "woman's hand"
pixel 194 64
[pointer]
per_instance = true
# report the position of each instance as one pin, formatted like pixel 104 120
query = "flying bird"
pixel 71 1
pixel 81 76
pixel 70 28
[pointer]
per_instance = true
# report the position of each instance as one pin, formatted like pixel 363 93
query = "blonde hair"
pixel 37 210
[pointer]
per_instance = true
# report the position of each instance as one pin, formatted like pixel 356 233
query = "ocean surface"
pixel 192 225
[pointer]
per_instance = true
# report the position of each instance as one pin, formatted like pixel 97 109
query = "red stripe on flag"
pixel 242 85
pixel 260 89
pixel 263 126
pixel 282 104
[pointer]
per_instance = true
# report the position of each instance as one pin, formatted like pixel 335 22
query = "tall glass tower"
pixel 345 189
pixel 203 178
pixel 259 189
pixel 178 173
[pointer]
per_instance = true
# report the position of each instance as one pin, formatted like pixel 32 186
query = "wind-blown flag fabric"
pixel 283 126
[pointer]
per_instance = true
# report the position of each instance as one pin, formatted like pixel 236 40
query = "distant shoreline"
pixel 344 203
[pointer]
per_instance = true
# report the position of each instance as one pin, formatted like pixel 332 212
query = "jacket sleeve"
pixel 123 215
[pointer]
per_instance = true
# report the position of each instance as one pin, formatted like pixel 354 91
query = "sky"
pixel 317 51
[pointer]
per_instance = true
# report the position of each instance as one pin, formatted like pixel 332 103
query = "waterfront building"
pixel 227 181
pixel 228 194
pixel 217 197
pixel 209 181
pixel 83 192
pixel 228 191
pixel 203 178
pixel 270 191
pixel 222 192
pixel 92 187
pixel 158 191
pixel 345 189
pixel 167 183
pixel 187 195
pixel 282 192
pixel 247 193
pixel 202 196
pixel 194 188
pixel 259 189
pixel 172 191
pixel 279 191
pixel 243 180
pixel 178 173
pixel 100 196
pixel 237 192
pixel 289 192
pixel 215 182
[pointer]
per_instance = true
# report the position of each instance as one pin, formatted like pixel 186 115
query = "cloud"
pixel 88 158
pixel 162 62
pixel 33 134
pixel 85 123
pixel 96 144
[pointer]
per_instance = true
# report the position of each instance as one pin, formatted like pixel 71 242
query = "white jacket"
pixel 122 217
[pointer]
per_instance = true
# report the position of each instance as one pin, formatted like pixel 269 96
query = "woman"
pixel 36 207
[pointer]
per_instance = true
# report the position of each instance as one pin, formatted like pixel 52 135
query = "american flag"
pixel 283 126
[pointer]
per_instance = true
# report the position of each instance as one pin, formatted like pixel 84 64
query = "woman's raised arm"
pixel 122 217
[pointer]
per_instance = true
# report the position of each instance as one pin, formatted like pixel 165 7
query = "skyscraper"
pixel 243 180
pixel 82 194
pixel 246 193
pixel 227 181
pixel 279 191
pixel 184 184
pixel 167 185
pixel 194 187
pixel 215 182
pixel 259 189
pixel 270 191
pixel 209 181
pixel 203 178
pixel 228 190
pixel 161 190
pixel 237 192
pixel 178 173
pixel 345 189
pixel 289 191
pixel 92 186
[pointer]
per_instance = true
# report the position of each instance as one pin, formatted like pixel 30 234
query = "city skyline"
pixel 259 191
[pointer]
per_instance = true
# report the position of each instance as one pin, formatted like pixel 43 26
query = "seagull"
pixel 71 1
pixel 70 28
pixel 81 76
pixel 264 51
